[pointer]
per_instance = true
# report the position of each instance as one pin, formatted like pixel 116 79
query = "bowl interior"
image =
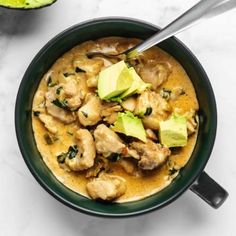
pixel 93 30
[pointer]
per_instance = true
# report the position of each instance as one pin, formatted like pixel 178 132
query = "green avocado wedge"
pixel 26 4
pixel 130 125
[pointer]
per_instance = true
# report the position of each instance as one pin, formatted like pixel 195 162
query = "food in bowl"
pixel 112 129
pixel 26 4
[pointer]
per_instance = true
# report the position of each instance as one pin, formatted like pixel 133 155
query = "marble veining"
pixel 26 209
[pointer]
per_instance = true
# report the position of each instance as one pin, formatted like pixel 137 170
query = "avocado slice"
pixel 137 86
pixel 173 132
pixel 26 4
pixel 114 80
pixel 130 125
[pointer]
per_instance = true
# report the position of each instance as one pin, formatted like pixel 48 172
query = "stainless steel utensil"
pixel 205 9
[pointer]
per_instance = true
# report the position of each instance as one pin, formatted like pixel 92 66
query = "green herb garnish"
pixel 66 74
pixel 172 171
pixel 148 111
pixel 78 70
pixel 128 64
pixel 61 103
pixel 115 99
pixel 71 153
pixel 61 158
pixel 58 91
pixel 114 157
pixel 36 113
pixel 85 114
pixel 50 83
pixel 70 133
pixel 50 139
pixel 165 93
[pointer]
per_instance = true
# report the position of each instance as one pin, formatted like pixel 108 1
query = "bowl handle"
pixel 210 191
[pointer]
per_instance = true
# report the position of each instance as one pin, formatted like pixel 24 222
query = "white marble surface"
pixel 26 209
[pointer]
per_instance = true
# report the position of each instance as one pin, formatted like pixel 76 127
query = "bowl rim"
pixel 61 198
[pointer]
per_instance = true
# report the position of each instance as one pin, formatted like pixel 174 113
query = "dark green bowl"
pixel 192 176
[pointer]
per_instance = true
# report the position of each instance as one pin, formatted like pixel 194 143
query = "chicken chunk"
pixel 176 93
pixel 39 101
pixel 63 99
pixel 90 66
pixel 92 82
pixel 64 116
pixel 152 154
pixel 48 122
pixel 129 104
pixel 110 111
pixel 100 164
pixel 72 93
pixel 107 141
pixel 106 187
pixel 153 108
pixel 89 113
pixel 128 166
pixel 151 135
pixel 192 121
pixel 86 154
pixel 154 73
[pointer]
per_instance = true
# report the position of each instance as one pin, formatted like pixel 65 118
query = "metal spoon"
pixel 205 9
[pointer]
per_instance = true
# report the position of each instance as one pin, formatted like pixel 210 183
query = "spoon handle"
pixel 190 17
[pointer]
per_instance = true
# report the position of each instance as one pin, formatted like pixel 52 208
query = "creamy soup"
pixel 74 127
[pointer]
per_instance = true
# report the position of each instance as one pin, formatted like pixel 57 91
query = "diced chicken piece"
pixel 129 104
pixel 71 92
pixel 106 187
pixel 90 66
pixel 70 88
pixel 111 119
pixel 107 45
pixel 124 45
pixel 89 113
pixel 64 116
pixel 192 121
pixel 152 154
pixel 82 84
pixel 157 108
pixel 87 152
pixel 101 164
pixel 107 141
pixel 92 82
pixel 128 152
pixel 83 48
pixel 110 111
pixel 106 62
pixel 151 135
pixel 154 73
pixel 128 166
pixel 39 101
pixel 176 93
pixel 48 122
pixel 133 153
pixel 74 102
